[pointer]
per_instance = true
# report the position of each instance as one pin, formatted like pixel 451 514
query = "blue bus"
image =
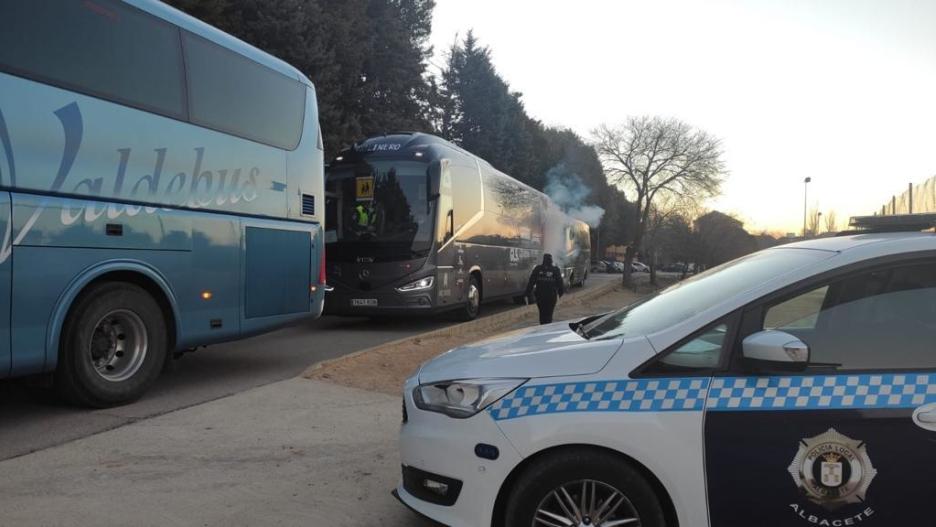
pixel 160 189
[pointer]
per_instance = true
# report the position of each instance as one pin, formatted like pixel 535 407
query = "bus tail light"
pixel 322 277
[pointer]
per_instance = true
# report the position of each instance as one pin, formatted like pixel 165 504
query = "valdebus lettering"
pixel 197 189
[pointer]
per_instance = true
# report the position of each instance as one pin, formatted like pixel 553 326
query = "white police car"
pixel 794 386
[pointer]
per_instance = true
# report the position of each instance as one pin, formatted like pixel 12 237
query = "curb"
pixel 479 325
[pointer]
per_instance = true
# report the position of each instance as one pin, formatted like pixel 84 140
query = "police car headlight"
pixel 463 398
pixel 418 285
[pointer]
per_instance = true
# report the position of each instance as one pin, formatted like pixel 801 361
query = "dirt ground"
pixel 385 368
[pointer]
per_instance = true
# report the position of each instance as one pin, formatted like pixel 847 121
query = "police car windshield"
pixel 380 206
pixel 690 297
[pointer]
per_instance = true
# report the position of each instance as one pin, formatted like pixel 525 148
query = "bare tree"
pixel 831 222
pixel 668 210
pixel 652 157
pixel 813 223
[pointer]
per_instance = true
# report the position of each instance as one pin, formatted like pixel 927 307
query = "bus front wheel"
pixel 472 305
pixel 113 346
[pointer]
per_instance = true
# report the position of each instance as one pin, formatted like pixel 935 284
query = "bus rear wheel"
pixel 113 346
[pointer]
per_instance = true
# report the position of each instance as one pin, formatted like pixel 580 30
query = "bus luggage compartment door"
pixel 278 271
pixel 6 281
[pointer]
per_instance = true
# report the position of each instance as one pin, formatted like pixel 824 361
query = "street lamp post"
pixel 805 189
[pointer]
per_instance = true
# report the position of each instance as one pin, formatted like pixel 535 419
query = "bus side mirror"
pixel 773 350
pixel 433 180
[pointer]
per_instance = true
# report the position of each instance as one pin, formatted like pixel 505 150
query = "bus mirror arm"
pixel 449 224
pixel 433 179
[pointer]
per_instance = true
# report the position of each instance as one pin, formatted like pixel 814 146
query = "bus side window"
pixel 466 184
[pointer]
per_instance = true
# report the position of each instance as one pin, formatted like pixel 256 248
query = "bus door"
pixel 448 289
pixel 6 280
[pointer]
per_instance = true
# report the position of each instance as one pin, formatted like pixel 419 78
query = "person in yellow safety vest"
pixel 361 216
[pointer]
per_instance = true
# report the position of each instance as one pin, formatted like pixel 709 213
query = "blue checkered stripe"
pixel 821 392
pixel 638 395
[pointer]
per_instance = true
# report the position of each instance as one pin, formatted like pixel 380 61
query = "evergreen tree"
pixel 395 91
pixel 481 113
pixel 367 58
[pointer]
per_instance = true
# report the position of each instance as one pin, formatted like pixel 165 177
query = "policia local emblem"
pixel 833 470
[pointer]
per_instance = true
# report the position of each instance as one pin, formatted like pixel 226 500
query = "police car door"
pixel 849 439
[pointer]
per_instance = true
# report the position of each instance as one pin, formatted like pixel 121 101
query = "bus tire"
pixel 472 306
pixel 569 473
pixel 113 346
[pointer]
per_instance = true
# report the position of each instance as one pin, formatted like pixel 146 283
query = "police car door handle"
pixel 925 417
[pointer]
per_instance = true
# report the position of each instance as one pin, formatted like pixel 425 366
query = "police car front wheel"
pixel 575 488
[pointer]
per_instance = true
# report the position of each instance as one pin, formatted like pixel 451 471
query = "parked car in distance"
pixel 678 267
pixel 599 267
pixel 638 267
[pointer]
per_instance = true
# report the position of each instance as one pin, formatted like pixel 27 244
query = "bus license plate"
pixel 369 302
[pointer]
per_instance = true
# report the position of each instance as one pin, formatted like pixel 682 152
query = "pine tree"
pixel 367 58
pixel 482 114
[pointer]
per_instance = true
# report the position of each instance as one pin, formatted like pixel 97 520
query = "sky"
pixel 842 91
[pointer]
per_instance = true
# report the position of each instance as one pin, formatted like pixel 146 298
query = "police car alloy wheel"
pixel 583 488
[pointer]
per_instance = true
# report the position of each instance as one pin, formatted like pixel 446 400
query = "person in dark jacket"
pixel 546 285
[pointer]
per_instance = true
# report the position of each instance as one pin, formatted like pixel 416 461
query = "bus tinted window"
pixel 100 47
pixel 381 209
pixel 466 183
pixel 233 94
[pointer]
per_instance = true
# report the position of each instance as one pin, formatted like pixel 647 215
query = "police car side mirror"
pixel 774 350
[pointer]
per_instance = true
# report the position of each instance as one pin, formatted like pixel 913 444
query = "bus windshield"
pixel 381 207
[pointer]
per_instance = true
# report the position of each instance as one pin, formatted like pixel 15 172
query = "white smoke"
pixel 568 191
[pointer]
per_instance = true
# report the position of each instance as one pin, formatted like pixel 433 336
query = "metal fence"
pixel 916 199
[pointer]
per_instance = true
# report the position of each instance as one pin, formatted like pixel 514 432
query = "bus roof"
pixel 414 145
pixel 395 143
pixel 193 25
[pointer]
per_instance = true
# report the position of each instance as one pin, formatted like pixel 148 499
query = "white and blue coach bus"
pixel 160 184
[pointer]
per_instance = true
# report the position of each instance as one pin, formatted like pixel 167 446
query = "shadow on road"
pixel 32 417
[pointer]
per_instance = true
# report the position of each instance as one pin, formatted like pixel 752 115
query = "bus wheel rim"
pixel 118 345
pixel 474 298
pixel 586 503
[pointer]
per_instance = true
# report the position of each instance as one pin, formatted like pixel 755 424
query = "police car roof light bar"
pixel 894 223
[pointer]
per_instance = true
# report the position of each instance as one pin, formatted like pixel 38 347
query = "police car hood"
pixel 543 351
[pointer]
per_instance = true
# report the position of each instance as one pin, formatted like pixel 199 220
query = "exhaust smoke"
pixel 568 193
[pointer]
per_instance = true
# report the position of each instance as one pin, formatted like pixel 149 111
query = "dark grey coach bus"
pixel 415 224
pixel 574 257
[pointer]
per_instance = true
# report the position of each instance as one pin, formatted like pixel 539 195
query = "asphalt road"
pixel 31 417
